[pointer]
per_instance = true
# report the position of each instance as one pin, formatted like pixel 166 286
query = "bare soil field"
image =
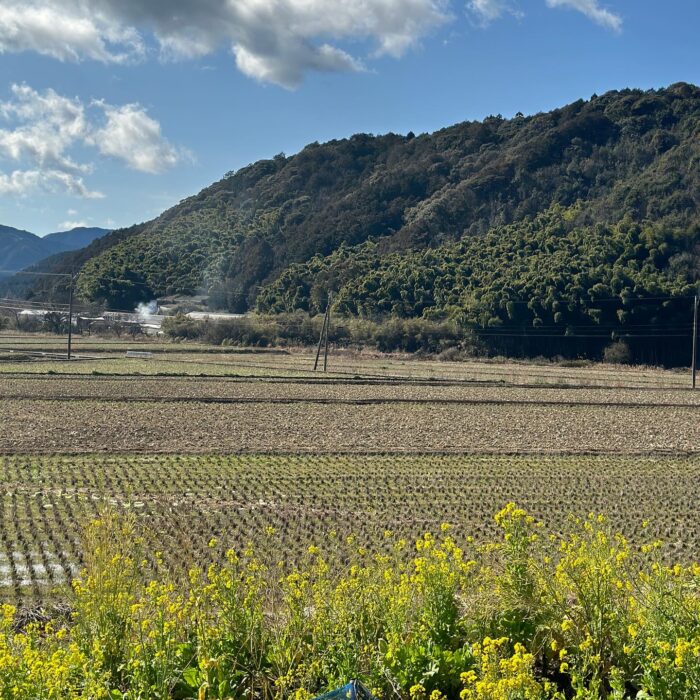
pixel 271 403
pixel 331 390
pixel 34 426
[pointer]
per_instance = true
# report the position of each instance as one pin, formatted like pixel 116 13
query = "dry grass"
pixel 189 360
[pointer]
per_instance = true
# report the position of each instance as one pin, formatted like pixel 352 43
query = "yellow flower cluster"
pixel 583 614
pixel 42 663
pixel 500 676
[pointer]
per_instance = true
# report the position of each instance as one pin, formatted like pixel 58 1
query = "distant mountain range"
pixel 20 249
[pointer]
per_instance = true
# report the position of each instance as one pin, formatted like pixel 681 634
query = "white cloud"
pixel 44 129
pixel 275 41
pixel 134 138
pixel 70 225
pixel 289 73
pixel 65 30
pixel 57 181
pixel 487 11
pixel 20 183
pixel 592 10
pixel 49 124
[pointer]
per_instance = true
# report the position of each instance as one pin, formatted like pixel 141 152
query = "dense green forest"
pixel 555 283
pixel 528 223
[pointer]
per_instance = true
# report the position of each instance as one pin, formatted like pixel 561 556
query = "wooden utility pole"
pixel 323 333
pixel 328 330
pixel 70 316
pixel 694 360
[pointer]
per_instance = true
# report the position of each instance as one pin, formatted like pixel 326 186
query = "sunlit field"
pixel 212 518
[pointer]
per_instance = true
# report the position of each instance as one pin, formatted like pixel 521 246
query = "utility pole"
pixel 694 361
pixel 323 333
pixel 328 329
pixel 70 315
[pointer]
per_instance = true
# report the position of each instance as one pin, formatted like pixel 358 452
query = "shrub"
pixel 294 329
pixel 181 327
pixel 617 353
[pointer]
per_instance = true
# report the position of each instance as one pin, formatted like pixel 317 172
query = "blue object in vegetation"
pixel 354 690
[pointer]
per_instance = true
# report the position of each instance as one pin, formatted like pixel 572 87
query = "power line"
pixel 665 331
pixel 597 326
pixel 29 302
pixel 67 274
pixel 603 336
pixel 15 302
pixel 116 279
pixel 29 272
pixel 580 300
pixel 24 308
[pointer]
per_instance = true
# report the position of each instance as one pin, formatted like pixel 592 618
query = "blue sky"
pixel 113 110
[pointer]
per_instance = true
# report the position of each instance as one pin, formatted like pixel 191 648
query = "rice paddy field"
pixel 201 442
pixel 183 501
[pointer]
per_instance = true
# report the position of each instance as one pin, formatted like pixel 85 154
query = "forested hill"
pixel 625 161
